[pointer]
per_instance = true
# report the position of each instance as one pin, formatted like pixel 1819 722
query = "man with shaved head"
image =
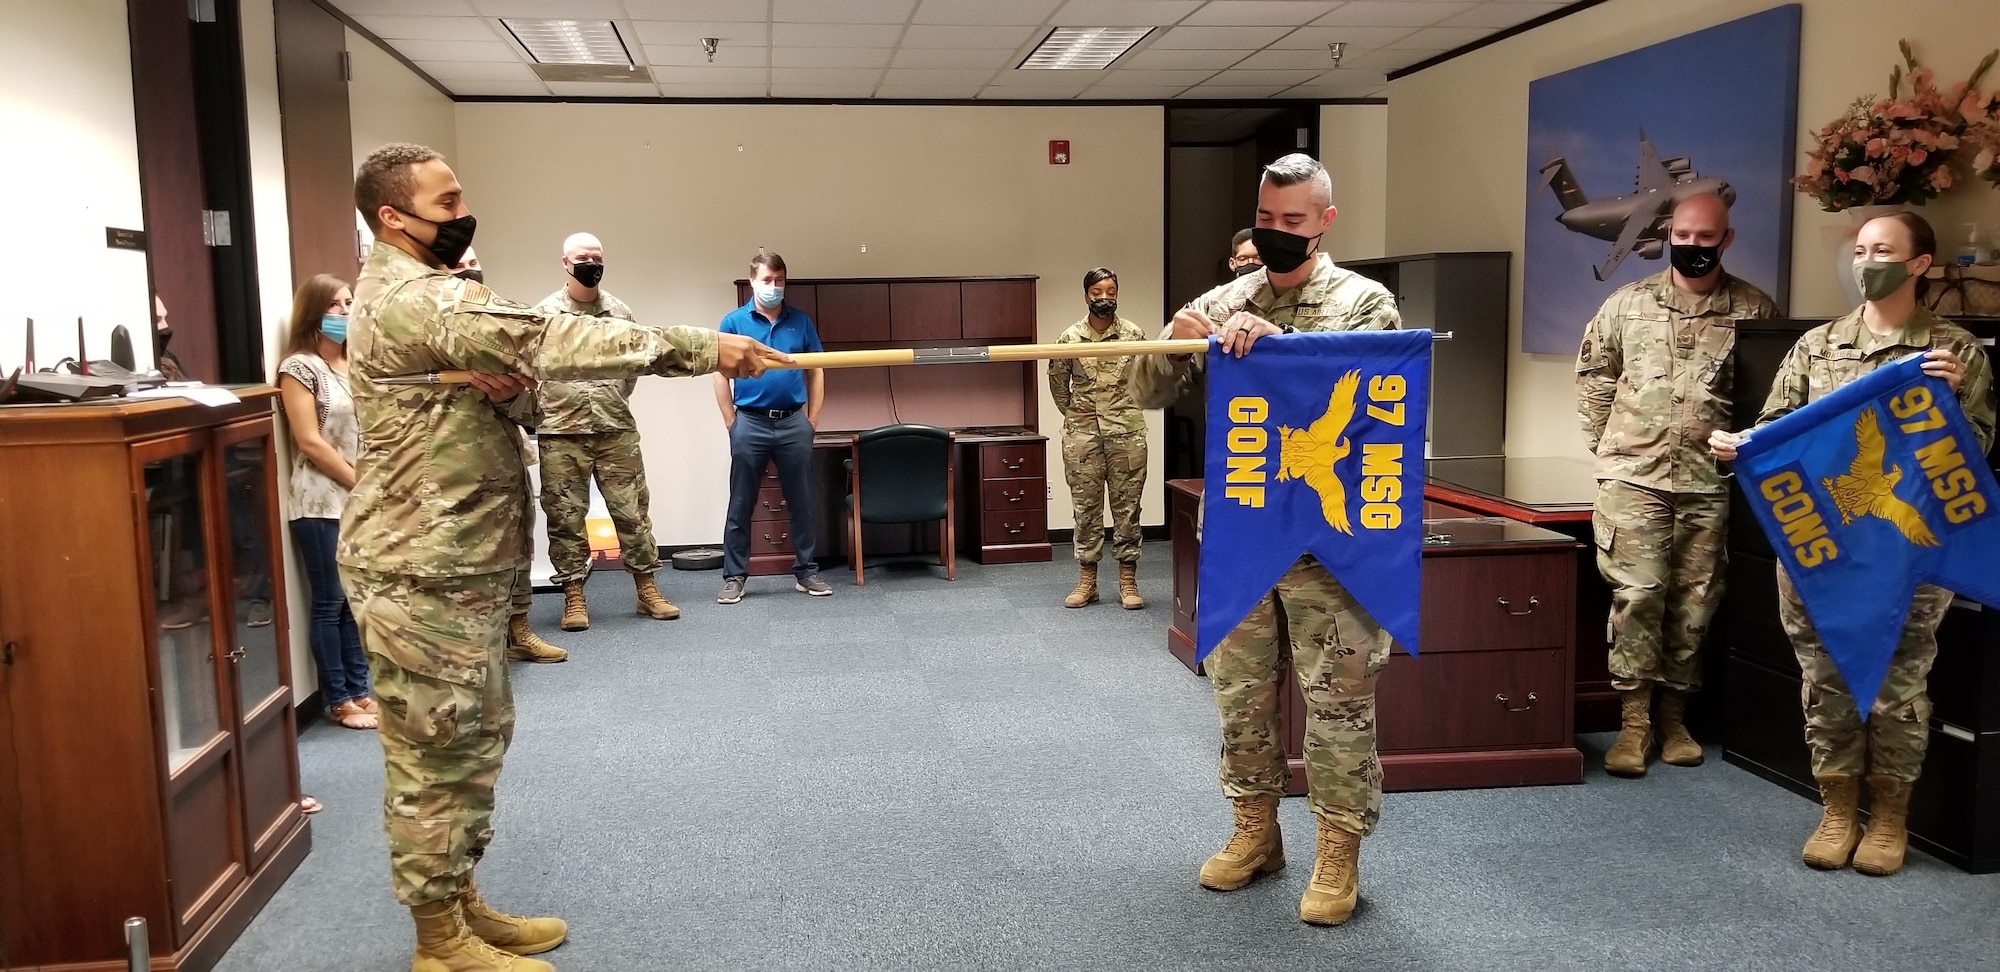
pixel 586 430
pixel 1654 377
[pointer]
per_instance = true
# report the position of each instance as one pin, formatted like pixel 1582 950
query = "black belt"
pixel 773 414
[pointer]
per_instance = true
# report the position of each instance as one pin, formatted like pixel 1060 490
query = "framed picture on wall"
pixel 1613 145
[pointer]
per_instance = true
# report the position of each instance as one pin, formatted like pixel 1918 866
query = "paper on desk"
pixel 210 395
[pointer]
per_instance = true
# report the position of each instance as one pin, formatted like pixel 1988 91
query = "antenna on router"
pixel 82 359
pixel 29 366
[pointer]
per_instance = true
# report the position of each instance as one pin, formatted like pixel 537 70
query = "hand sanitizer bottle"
pixel 1971 253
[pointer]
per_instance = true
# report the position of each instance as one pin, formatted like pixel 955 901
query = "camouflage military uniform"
pixel 432 536
pixel 585 429
pixel 1893 740
pixel 1103 443
pixel 1337 648
pixel 1654 377
pixel 523 596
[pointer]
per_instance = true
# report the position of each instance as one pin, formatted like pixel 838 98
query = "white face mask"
pixel 768 295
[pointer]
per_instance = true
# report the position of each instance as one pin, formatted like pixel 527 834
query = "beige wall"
pixel 387 102
pixel 1354 147
pixel 1458 148
pixel 72 159
pixel 683 195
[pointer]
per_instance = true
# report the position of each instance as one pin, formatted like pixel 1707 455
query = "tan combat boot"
pixel 1832 842
pixel 1128 586
pixel 1627 755
pixel 1677 745
pixel 1336 880
pixel 576 616
pixel 524 644
pixel 651 602
pixel 445 944
pixel 1086 587
pixel 509 933
pixel 1888 836
pixel 1255 848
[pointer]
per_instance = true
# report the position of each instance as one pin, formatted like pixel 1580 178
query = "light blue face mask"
pixel 334 326
pixel 768 295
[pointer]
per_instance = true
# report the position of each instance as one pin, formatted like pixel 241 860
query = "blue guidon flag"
pixel 1316 445
pixel 1866 493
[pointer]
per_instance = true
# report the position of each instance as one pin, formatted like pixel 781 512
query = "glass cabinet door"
pixel 183 626
pixel 255 641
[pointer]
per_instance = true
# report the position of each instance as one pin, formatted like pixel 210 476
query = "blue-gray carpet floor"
pixel 918 774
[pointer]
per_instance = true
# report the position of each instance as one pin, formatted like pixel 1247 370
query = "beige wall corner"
pixel 1354 147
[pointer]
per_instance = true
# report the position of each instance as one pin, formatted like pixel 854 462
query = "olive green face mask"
pixel 1879 278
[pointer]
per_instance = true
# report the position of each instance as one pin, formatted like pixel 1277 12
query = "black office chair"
pixel 902 474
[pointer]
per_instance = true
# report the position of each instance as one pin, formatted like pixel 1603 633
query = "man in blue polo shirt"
pixel 770 420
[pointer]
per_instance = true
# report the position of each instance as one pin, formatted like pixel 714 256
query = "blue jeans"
pixel 755 441
pixel 336 642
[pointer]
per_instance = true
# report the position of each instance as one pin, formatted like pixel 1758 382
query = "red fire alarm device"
pixel 1059 152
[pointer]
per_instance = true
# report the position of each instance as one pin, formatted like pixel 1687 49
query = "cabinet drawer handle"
pixel 782 538
pixel 1503 700
pixel 1014 498
pixel 1508 606
pixel 237 655
pixel 1013 465
pixel 1013 529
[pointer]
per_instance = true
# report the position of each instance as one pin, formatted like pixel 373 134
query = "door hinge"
pixel 215 227
pixel 346 66
pixel 201 11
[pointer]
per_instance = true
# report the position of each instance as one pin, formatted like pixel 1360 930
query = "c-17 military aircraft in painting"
pixel 1637 222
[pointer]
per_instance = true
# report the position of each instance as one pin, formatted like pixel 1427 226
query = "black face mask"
pixel 1247 269
pixel 587 274
pixel 1694 262
pixel 1282 252
pixel 1104 307
pixel 454 237
pixel 163 334
pixel 476 276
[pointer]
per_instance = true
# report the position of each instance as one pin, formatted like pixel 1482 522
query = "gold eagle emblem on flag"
pixel 1868 488
pixel 1309 454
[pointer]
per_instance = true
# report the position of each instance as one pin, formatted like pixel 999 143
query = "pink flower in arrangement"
pixel 1941 178
pixel 1864 173
pixel 1876 147
pixel 1917 156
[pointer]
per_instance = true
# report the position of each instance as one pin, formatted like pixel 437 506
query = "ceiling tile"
pixel 1286 13
pixel 691 55
pixel 1231 91
pixel 713 10
pixel 503 89
pixel 441 8
pixel 603 89
pixel 689 34
pixel 951 36
pixel 1182 60
pixel 849 77
pixel 1391 13
pixel 1047 79
pixel 571 9
pixel 855 91
pixel 456 50
pixel 477 71
pixel 1030 92
pixel 1500 15
pixel 1288 60
pixel 830 57
pixel 1144 78
pixel 1368 90
pixel 903 78
pixel 1005 12
pixel 1438 39
pixel 835 35
pixel 1127 92
pixel 1356 38
pixel 842 11
pixel 1123 13
pixel 940 58
pixel 706 75
pixel 713 90
pixel 1281 79
pixel 1213 38
pixel 1347 84
pixel 929 92
pixel 428 28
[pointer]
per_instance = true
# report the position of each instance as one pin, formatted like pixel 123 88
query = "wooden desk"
pixel 1489 703
pixel 1555 492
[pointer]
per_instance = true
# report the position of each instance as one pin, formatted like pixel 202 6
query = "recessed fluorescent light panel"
pixel 1083 48
pixel 569 41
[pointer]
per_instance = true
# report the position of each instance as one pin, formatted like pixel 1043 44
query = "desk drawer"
pixel 1484 603
pixel 770 538
pixel 1473 700
pixel 1009 495
pixel 1014 526
pixel 771 505
pixel 1012 461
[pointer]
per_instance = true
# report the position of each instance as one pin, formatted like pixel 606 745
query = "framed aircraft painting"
pixel 1613 145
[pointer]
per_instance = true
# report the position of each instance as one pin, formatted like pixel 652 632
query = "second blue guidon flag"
pixel 1867 492
pixel 1316 445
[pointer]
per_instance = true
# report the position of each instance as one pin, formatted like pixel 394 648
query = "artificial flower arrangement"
pixel 1899 150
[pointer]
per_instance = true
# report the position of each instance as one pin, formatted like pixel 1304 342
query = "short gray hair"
pixel 1299 167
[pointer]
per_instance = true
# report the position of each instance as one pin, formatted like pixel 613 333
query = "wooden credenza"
pixel 1488 703
pixel 151 760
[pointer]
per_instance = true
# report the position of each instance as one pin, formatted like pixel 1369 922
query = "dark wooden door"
pixel 172 189
pixel 254 641
pixel 319 150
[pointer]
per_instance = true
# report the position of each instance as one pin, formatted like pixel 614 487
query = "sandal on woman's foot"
pixel 367 704
pixel 309 805
pixel 349 715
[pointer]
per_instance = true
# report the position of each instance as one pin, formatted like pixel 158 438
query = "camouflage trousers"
pixel 1338 652
pixel 1095 464
pixel 1663 556
pixel 1893 740
pixel 568 464
pixel 437 655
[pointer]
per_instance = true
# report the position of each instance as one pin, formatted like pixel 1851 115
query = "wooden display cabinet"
pixel 146 672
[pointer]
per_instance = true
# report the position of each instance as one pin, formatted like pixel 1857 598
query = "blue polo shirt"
pixel 793 333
